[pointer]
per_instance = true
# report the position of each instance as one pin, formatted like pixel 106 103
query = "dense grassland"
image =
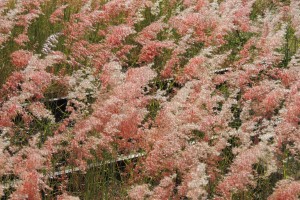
pixel 149 99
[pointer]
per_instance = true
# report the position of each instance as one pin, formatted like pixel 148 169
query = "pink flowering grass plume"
pixel 21 58
pixel 32 82
pixel 22 39
pixel 176 154
pixel 27 164
pixel 10 19
pixel 150 32
pixel 58 14
pixel 286 189
pixel 117 34
pixel 140 192
pixel 116 114
pixel 241 173
pixel 165 188
pixel 152 49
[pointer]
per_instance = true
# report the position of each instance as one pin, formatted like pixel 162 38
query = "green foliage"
pixel 236 122
pixel 235 42
pixel 55 90
pixel 226 159
pixel 9 47
pixel 198 134
pixel 41 28
pixel 148 19
pixel 93 36
pixel 191 52
pixel 44 128
pixel 290 47
pixel 7 179
pixel 103 182
pixel 227 155
pixel 224 89
pixel 153 108
pixel 167 85
pixel 260 7
pixel 161 60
